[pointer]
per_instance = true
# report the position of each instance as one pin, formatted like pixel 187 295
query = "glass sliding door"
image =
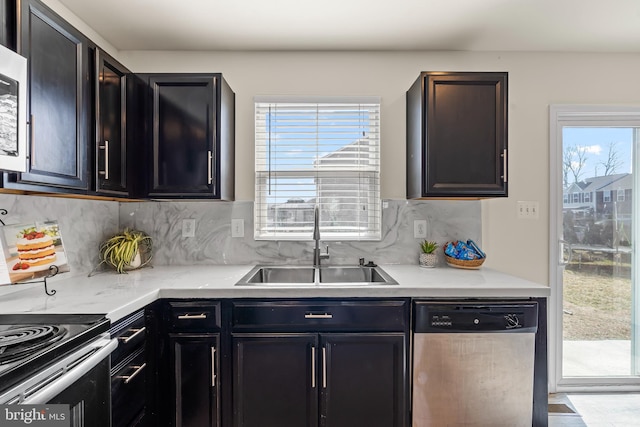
pixel 595 233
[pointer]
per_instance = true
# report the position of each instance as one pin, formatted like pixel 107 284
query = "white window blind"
pixel 324 153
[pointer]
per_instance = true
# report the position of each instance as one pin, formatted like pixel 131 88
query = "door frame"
pixel 582 115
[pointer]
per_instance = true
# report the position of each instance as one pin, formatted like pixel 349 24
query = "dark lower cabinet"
pixel 129 371
pixel 58 103
pixel 320 363
pixel 275 380
pixel 195 384
pixel 362 380
pixel 328 380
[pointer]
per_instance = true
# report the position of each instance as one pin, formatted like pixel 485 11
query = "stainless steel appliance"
pixel 58 359
pixel 473 363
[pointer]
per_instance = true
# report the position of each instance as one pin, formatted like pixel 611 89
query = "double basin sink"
pixel 306 275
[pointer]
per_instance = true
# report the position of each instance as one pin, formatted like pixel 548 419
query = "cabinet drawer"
pixel 130 333
pixel 194 316
pixel 128 390
pixel 320 315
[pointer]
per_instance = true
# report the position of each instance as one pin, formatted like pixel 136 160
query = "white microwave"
pixel 13 111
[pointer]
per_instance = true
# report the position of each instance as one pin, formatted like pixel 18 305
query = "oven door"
pixel 80 380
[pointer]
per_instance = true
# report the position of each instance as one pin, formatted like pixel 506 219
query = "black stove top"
pixel 29 342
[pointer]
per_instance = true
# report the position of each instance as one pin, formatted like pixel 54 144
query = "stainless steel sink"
pixel 282 275
pixel 355 275
pixel 263 275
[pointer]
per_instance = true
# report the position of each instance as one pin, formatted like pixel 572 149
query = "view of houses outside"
pixel 597 225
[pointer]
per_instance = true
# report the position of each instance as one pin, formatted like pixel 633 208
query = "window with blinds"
pixel 317 153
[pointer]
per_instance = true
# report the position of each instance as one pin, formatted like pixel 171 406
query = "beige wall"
pixel 536 80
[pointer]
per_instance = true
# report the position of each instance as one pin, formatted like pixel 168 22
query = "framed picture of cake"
pixel 29 250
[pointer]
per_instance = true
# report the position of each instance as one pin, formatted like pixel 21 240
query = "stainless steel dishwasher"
pixel 473 363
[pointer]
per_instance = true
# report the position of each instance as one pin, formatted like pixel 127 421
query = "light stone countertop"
pixel 117 295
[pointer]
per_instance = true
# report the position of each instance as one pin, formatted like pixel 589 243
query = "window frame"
pixel 373 232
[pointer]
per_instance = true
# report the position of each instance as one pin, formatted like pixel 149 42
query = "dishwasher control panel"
pixel 434 317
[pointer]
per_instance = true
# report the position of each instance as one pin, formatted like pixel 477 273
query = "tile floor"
pixel 596 410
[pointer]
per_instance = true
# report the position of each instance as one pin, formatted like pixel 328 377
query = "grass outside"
pixel 597 302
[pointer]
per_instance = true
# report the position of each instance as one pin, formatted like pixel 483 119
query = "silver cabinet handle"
pixel 189 316
pixel 324 367
pixel 318 316
pixel 128 378
pixel 105 147
pixel 32 125
pixel 213 366
pixel 504 165
pixel 136 332
pixel 209 166
pixel 313 367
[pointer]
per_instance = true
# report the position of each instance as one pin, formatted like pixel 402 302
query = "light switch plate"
pixel 188 227
pixel 237 227
pixel 528 210
pixel 420 228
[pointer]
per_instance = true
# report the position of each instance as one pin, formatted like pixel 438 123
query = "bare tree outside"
pixel 613 161
pixel 573 161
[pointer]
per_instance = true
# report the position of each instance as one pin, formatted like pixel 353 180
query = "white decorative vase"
pixel 428 260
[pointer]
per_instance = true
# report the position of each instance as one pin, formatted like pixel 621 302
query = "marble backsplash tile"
pixel 213 244
pixel 83 223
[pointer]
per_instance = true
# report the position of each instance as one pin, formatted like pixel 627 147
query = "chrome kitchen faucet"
pixel 317 256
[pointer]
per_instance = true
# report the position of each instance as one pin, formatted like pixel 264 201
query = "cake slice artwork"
pixel 30 250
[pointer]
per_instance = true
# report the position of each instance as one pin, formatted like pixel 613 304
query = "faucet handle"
pixel 361 261
pixel 326 254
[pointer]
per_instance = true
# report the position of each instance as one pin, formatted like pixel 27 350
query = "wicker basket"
pixel 470 264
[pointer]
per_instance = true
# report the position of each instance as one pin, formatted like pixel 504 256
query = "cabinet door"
pixel 195 358
pixel 58 104
pixel 363 380
pixel 184 112
pixel 275 380
pixel 111 158
pixel 466 133
pixel 8 24
pixel 457 135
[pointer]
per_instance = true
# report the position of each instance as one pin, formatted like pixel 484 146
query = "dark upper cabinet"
pixel 113 156
pixel 8 24
pixel 457 135
pixel 189 136
pixel 59 104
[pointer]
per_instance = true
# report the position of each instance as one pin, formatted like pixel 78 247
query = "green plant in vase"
pixel 428 257
pixel 128 250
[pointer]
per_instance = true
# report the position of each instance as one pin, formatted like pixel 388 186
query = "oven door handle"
pixel 53 389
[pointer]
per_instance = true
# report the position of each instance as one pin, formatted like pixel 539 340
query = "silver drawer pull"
pixel 128 378
pixel 137 332
pixel 324 367
pixel 189 316
pixel 213 366
pixel 318 316
pixel 313 367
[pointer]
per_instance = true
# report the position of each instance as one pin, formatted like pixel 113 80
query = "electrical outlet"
pixel 237 227
pixel 188 227
pixel 420 228
pixel 528 210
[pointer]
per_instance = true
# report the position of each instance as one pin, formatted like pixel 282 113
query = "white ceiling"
pixel 466 25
